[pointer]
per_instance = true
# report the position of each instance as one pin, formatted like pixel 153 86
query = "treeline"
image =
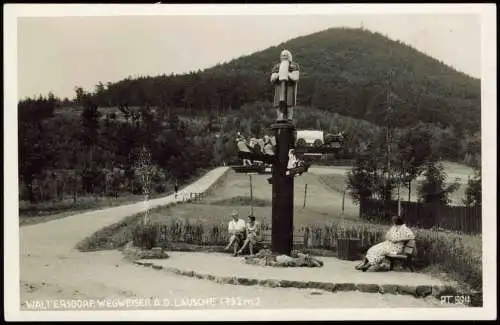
pixel 86 149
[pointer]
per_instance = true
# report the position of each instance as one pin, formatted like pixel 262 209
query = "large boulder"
pixel 297 259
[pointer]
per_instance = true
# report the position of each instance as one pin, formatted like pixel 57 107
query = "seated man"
pixel 236 231
pixel 243 150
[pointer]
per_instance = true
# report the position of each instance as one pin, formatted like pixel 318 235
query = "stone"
pixel 316 292
pixel 345 287
pixel 389 288
pixel 157 251
pixel 246 281
pixel 409 290
pixel 286 284
pixel 270 283
pixel 284 259
pixel 157 267
pixel 423 291
pixel 315 284
pixel 372 288
pixel 330 287
pixel 265 258
pixel 438 291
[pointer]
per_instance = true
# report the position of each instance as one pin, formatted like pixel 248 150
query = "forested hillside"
pixel 344 71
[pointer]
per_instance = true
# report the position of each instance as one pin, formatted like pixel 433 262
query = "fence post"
pixel 305 197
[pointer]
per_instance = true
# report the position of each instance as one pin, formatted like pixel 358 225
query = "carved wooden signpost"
pixel 285 77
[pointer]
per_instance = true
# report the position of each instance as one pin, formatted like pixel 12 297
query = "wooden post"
pixel 282 206
pixel 399 197
pixel 251 194
pixel 343 202
pixel 305 196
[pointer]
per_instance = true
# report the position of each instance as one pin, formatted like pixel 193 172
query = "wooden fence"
pixel 466 219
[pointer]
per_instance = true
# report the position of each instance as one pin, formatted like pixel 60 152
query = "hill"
pixel 344 71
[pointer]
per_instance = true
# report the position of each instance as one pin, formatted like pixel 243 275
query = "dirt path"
pixel 51 268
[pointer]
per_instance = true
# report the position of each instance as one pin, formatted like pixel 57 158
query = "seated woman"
pixel 394 243
pixel 295 166
pixel 253 235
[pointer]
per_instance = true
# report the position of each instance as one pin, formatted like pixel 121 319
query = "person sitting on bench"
pixel 236 229
pixel 253 235
pixel 394 243
pixel 268 146
pixel 243 149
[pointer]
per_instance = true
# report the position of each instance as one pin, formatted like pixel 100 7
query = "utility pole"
pixel 388 134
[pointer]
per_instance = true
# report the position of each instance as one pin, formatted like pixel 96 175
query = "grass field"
pixel 319 198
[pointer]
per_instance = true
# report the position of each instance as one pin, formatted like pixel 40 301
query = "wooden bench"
pixel 298 239
pixel 406 256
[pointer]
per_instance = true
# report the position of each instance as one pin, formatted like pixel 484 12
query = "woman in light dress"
pixel 394 243
pixel 253 235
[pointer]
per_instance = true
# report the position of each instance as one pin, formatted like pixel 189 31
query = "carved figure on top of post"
pixel 285 77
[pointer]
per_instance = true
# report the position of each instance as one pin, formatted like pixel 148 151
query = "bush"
pixel 145 236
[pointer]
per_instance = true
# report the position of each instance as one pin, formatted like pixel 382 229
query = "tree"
pixel 89 138
pixel 35 153
pixel 412 150
pixel 144 171
pixel 473 192
pixel 434 188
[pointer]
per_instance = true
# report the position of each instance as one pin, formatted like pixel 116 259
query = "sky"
pixel 59 53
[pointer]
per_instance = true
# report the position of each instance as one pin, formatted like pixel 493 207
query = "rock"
pixel 345 287
pixel 438 291
pixel 372 288
pixel 409 290
pixel 423 291
pixel 265 258
pixel 315 284
pixel 157 251
pixel 283 259
pixel 316 292
pixel 330 287
pixel 246 281
pixel 389 289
